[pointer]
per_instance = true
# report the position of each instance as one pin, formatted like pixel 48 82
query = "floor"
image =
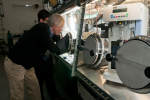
pixel 4 86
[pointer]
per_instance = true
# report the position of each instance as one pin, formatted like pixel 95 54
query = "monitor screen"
pixel 119 10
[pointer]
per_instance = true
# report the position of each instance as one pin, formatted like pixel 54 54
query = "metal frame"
pixel 99 52
pixel 78 39
pixel 97 90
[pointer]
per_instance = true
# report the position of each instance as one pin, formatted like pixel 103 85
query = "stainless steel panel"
pixel 139 53
pixel 132 63
pixel 115 90
pixel 89 45
pixel 93 51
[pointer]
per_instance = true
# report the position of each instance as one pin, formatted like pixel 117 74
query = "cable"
pixel 97 16
pixel 77 3
pixel 133 33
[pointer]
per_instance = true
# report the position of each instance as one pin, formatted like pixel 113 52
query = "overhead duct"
pixel 68 5
pixel 119 2
pixel 114 2
pixel 132 1
pixel 111 2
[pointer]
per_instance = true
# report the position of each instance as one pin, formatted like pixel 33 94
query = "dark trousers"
pixel 45 72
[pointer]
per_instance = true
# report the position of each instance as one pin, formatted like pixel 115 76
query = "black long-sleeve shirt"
pixel 28 50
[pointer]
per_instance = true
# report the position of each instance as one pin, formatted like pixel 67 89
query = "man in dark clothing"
pixel 43 16
pixel 26 54
pixel 46 71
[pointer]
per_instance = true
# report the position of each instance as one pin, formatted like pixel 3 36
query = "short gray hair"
pixel 55 19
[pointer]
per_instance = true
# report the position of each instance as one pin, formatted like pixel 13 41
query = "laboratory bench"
pixel 92 80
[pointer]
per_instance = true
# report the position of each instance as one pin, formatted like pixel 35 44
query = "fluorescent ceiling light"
pixel 27 5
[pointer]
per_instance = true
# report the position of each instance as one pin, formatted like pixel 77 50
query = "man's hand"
pixel 45 57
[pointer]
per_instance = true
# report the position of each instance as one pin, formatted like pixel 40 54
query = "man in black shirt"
pixel 43 16
pixel 46 71
pixel 26 54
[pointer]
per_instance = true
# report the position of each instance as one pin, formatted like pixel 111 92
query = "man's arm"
pixel 44 36
pixel 56 38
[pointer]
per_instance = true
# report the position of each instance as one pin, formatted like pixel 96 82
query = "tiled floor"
pixel 4 86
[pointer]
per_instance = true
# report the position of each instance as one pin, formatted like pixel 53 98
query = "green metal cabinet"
pixel 63 75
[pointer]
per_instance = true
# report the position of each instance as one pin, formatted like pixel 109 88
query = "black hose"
pixel 133 33
pixel 77 3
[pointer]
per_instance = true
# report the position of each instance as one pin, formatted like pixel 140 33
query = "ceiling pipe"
pixel 119 2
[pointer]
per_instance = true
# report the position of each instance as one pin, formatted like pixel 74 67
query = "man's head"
pixel 43 16
pixel 56 22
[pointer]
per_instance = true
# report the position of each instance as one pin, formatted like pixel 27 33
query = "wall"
pixel 19 18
